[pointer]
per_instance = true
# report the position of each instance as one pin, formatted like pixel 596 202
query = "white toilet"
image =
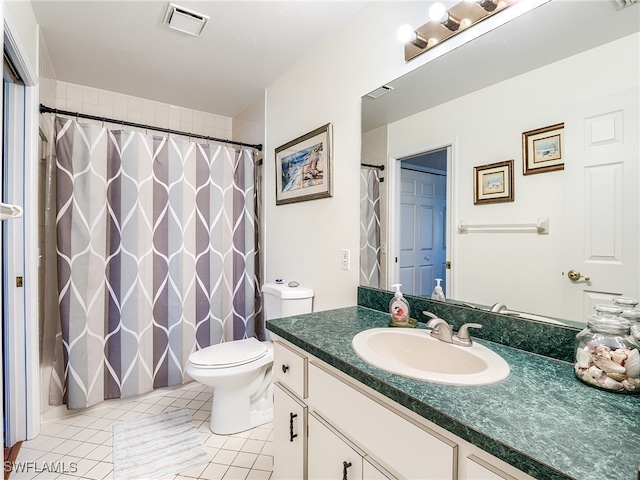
pixel 240 371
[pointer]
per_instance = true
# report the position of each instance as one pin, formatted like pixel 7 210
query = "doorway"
pixel 422 205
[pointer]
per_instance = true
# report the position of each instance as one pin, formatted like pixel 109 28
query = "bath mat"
pixel 157 447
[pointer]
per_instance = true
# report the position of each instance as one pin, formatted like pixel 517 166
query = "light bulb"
pixel 438 12
pixel 406 34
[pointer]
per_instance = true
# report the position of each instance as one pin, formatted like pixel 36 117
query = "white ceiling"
pixel 123 46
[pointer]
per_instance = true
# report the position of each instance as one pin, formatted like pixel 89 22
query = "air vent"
pixel 378 92
pixel 185 20
pixel 620 4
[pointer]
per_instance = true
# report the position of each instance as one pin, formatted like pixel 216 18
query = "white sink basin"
pixel 416 354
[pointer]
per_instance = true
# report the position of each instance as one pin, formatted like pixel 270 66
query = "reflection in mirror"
pixel 575 63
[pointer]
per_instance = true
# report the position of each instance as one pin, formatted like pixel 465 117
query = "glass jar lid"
pixel 628 306
pixel 608 320
pixel 625 302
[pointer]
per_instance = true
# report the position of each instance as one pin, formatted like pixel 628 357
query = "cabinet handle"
pixel 345 465
pixel 291 434
pixel 285 368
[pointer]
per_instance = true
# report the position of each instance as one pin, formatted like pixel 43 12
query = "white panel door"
pixel 422 229
pixel 602 206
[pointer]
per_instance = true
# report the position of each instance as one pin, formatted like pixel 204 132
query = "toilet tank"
pixel 281 300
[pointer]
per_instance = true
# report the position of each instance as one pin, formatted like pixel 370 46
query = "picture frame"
pixel 543 150
pixel 493 183
pixel 304 167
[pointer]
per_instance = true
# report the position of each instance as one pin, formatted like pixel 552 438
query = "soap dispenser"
pixel 438 293
pixel 399 310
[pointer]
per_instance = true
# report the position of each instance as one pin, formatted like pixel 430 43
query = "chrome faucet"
pixel 498 307
pixel 441 330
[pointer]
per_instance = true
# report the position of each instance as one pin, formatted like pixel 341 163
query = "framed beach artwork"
pixel 543 150
pixel 493 183
pixel 304 167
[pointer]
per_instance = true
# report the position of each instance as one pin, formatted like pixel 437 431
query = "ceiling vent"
pixel 378 92
pixel 620 4
pixel 185 20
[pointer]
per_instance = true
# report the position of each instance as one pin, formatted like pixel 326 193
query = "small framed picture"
pixel 493 183
pixel 303 167
pixel 543 150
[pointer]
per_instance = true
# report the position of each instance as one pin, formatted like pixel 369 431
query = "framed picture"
pixel 493 183
pixel 303 167
pixel 543 150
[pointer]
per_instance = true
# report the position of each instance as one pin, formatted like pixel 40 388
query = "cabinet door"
pixel 330 457
pixel 478 469
pixel 289 436
pixel 374 472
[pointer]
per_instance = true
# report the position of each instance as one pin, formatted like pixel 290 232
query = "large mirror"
pixel 571 63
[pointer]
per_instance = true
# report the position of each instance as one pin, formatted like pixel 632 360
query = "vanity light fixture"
pixel 445 23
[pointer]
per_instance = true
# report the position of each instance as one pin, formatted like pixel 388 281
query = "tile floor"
pixel 79 446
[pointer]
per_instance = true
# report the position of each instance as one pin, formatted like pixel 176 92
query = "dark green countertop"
pixel 540 419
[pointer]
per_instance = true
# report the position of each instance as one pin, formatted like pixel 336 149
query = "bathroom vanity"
pixel 338 417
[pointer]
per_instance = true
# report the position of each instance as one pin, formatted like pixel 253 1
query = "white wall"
pixel 485 264
pixel 303 240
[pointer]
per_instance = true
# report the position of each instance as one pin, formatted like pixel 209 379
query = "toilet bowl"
pixel 240 371
pixel 240 374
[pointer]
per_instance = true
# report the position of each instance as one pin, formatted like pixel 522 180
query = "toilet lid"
pixel 229 354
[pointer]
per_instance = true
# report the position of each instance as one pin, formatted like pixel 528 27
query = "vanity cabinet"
pixel 338 419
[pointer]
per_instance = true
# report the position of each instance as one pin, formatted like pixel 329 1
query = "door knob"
pixel 575 275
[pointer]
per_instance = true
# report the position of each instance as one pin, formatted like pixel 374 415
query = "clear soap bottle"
pixel 438 293
pixel 399 310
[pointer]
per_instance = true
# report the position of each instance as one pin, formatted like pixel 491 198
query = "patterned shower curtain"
pixel 157 257
pixel 369 228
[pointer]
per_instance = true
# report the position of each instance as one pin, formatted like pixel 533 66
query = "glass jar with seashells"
pixel 607 355
pixel 631 312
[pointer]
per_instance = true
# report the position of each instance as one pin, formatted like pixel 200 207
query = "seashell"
pixel 612 384
pixel 603 351
pixel 629 385
pixel 583 358
pixel 619 356
pixel 617 376
pixel 632 364
pixel 588 378
pixel 594 371
pixel 608 365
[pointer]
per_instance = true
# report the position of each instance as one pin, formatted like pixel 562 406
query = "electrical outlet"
pixel 346 260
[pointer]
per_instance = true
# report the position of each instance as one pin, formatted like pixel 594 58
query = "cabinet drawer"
pixel 409 449
pixel 290 369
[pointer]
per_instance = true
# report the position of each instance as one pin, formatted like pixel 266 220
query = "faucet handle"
pixel 429 314
pixel 463 333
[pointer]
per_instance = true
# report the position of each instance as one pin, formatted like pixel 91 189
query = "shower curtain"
pixel 369 227
pixel 157 257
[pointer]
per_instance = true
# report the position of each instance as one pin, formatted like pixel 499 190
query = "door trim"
pixel 29 323
pixel 394 179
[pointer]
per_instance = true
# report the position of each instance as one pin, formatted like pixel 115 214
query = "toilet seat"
pixel 229 354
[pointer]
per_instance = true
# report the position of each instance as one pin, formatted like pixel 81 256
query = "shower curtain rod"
pixel 380 167
pixel 45 109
